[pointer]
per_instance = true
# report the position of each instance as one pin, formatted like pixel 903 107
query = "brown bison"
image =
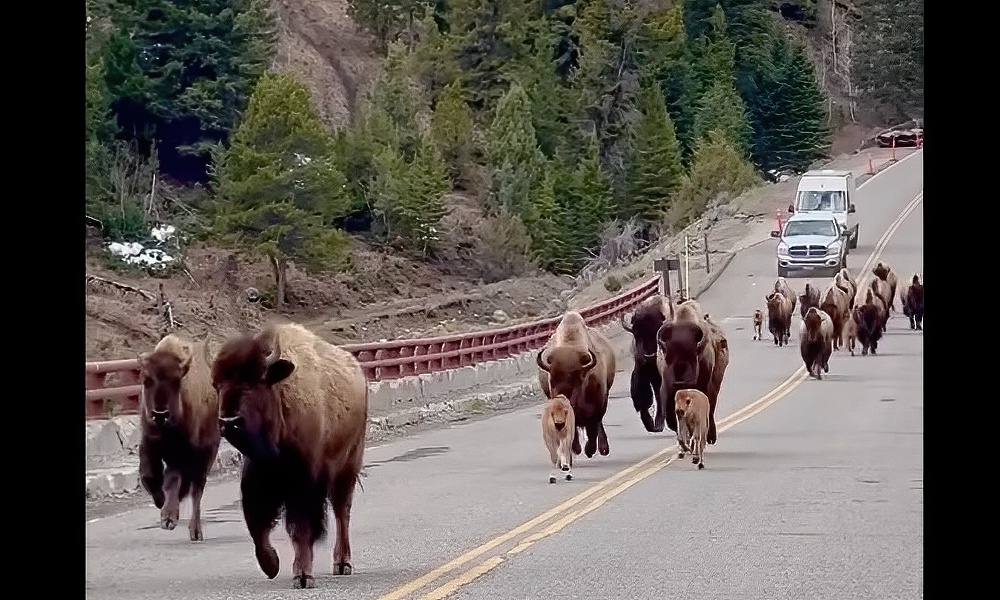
pixel 881 289
pixel 297 408
pixel 868 319
pixel 579 362
pixel 558 427
pixel 835 304
pixel 179 429
pixel 886 274
pixel 844 281
pixel 816 341
pixel 694 354
pixel 779 318
pixel 692 408
pixel 758 321
pixel 647 319
pixel 782 287
pixel 912 299
pixel 808 299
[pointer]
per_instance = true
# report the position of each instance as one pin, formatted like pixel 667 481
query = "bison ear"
pixel 588 360
pixel 699 336
pixel 278 371
pixel 540 359
pixel 664 334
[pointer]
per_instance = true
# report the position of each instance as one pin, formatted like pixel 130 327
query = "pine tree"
pixel 588 201
pixel 550 99
pixel 512 152
pixel 804 110
pixel 279 185
pixel 887 63
pixel 655 167
pixel 548 226
pixel 717 167
pixel 451 127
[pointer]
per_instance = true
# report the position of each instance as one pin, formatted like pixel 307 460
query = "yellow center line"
pixel 613 485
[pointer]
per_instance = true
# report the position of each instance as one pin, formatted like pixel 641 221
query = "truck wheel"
pixel 782 272
pixel 854 239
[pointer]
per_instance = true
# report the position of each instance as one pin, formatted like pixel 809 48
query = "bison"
pixel 782 287
pixel 694 354
pixel 178 428
pixel 835 304
pixel 816 341
pixel 850 333
pixel 296 407
pixel 579 362
pixel 558 427
pixel 912 299
pixel 758 320
pixel 808 299
pixel 868 319
pixel 882 290
pixel 692 408
pixel 647 319
pixel 844 281
pixel 779 317
pixel 886 274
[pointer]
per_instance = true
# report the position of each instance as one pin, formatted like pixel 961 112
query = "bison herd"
pixel 296 406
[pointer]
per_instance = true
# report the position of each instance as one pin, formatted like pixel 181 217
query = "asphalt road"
pixel 813 491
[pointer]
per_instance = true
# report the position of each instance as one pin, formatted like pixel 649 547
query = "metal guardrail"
pixel 113 386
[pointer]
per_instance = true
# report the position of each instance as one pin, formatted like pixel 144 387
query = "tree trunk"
pixel 280 267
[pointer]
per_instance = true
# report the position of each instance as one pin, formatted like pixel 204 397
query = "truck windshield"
pixel 832 200
pixel 824 228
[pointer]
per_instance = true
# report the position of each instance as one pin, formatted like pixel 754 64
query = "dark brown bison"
pixel 694 354
pixel 782 287
pixel 816 341
pixel 579 362
pixel 844 281
pixel 835 304
pixel 881 289
pixel 886 274
pixel 912 299
pixel 649 316
pixel 179 429
pixel 779 318
pixel 808 299
pixel 868 319
pixel 297 408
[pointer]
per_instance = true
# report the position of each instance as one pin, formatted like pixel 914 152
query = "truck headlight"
pixel 833 248
pixel 782 248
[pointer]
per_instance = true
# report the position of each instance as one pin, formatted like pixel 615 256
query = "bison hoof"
pixel 680 454
pixel 569 477
pixel 701 466
pixel 604 450
pixel 920 328
pixel 694 459
pixel 168 520
pixel 343 569
pixel 552 478
pixel 267 558
pixel 197 535
pixel 303 582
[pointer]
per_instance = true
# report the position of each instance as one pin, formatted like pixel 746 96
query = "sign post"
pixel 664 266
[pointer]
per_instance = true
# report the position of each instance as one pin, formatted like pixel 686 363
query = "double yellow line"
pixel 525 535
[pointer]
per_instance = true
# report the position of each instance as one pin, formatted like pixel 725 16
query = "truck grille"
pixel 807 251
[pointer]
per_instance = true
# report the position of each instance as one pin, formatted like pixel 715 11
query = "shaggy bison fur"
pixel 779 318
pixel 694 354
pixel 886 274
pixel 835 304
pixel 844 281
pixel 781 286
pixel 868 319
pixel 647 319
pixel 179 428
pixel 558 427
pixel 297 408
pixel 579 362
pixel 808 299
pixel 692 408
pixel 912 300
pixel 816 341
pixel 881 290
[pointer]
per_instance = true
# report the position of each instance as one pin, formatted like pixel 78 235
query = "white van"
pixel 827 190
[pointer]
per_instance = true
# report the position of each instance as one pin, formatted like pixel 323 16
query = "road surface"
pixel 814 489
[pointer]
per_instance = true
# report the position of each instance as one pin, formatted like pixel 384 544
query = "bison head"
pixel 560 411
pixel 881 271
pixel 681 344
pixel 643 327
pixel 161 373
pixel 243 374
pixel 682 402
pixel 567 367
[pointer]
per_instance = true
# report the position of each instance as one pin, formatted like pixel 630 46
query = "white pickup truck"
pixel 827 190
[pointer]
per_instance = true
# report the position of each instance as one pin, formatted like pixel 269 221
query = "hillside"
pixel 215 290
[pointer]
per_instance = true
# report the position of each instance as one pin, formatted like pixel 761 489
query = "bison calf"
pixel 558 427
pixel 692 408
pixel 758 320
pixel 179 430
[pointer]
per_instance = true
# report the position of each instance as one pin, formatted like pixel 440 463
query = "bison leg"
pixel 170 514
pixel 342 499
pixel 874 347
pixel 682 438
pixel 713 400
pixel 700 456
pixel 590 448
pixel 198 480
pixel 642 399
pixel 151 470
pixel 261 500
pixel 305 522
pixel 920 322
pixel 576 441
pixel 602 440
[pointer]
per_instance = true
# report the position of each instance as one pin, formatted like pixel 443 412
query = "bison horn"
pixel 542 361
pixel 274 354
pixel 591 360
pixel 625 325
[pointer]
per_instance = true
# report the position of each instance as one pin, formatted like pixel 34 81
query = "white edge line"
pixel 889 168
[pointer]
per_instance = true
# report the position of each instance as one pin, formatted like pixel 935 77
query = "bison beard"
pixel 869 328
